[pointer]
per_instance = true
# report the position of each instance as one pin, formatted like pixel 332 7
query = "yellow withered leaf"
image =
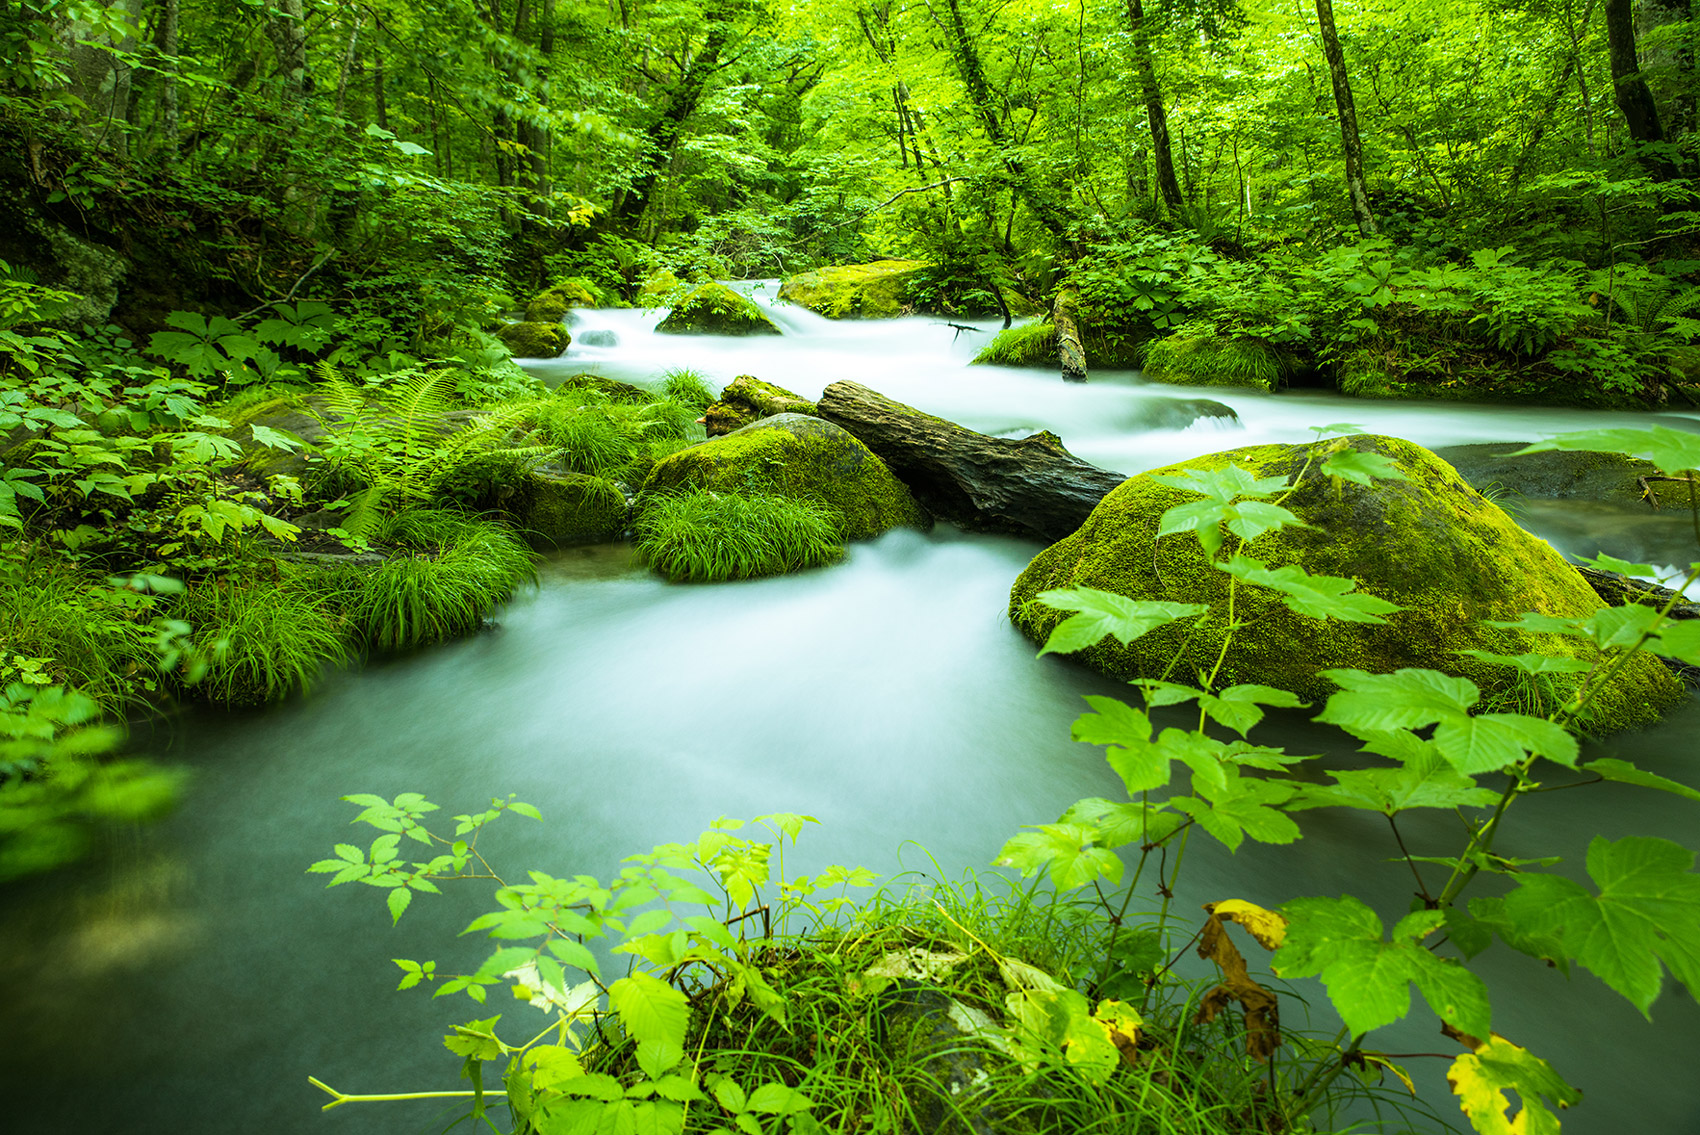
pixel 1481 1078
pixel 1269 928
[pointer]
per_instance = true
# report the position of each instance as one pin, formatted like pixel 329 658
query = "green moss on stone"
pixel 1029 345
pixel 550 305
pixel 879 290
pixel 714 309
pixel 531 340
pixel 570 508
pixel 797 456
pixel 1448 556
pixel 1196 355
pixel 747 399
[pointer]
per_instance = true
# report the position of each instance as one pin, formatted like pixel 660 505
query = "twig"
pixel 323 259
pixel 894 197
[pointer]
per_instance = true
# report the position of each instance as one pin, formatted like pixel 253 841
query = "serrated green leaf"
pixel 1424 781
pixel 1362 467
pixel 1102 614
pixel 1404 699
pixel 1489 742
pixel 779 1099
pixel 1673 451
pixel 1603 562
pixel 1610 768
pixel 1679 639
pixel 1316 596
pixel 398 901
pixel 1066 851
pixel 1119 823
pixel 656 1015
pixel 1532 663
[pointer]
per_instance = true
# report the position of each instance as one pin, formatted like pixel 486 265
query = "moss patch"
pixel 532 340
pixel 569 508
pixel 715 309
pixel 1029 345
pixel 797 456
pixel 550 305
pixel 659 289
pixel 747 399
pixel 879 290
pixel 1196 355
pixel 1431 544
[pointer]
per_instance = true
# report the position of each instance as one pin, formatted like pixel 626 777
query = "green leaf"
pixel 1066 850
pixel 1222 485
pixel 1236 707
pixel 1404 699
pixel 656 1015
pixel 1489 742
pixel 1532 663
pixel 1610 768
pixel 1318 596
pixel 1603 562
pixel 1648 895
pixel 1119 823
pixel 1102 613
pixel 1361 467
pixel 1481 1078
pixel 779 1099
pixel 1423 781
pixel 1673 451
pixel 1679 639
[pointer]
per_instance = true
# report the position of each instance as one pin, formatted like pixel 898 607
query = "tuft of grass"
pixel 591 439
pixel 1029 345
pixel 451 571
pixel 1197 355
pixel 266 638
pixel 687 387
pixel 699 536
pixel 70 627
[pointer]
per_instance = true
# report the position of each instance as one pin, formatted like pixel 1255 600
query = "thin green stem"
pixel 340 1098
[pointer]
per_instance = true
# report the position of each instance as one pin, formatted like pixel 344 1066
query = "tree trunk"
pixel 1032 487
pixel 170 118
pixel 1667 61
pixel 287 29
pixel 681 104
pixel 1634 100
pixel 534 132
pixel 1071 353
pixel 1162 154
pixel 1350 141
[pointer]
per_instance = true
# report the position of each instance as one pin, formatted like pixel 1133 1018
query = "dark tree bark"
pixel 681 103
pixel 1350 141
pixel 1146 71
pixel 1032 487
pixel 1634 100
pixel 170 118
pixel 1667 61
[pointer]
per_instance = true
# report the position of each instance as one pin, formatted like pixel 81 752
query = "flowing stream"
pixel 191 981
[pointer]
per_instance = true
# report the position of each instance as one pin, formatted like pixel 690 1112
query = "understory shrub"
pixel 701 536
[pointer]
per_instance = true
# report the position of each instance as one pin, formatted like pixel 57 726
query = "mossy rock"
pixel 532 340
pixel 611 388
pixel 797 456
pixel 1196 355
pixel 557 510
pixel 1440 550
pixel 714 309
pixel 1557 474
pixel 747 399
pixel 879 290
pixel 550 305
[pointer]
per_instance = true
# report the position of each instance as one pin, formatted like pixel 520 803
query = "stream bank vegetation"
pixel 706 988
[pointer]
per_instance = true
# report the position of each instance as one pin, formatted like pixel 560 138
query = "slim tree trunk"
pixel 1350 141
pixel 1634 100
pixel 681 104
pixel 1667 60
pixel 170 118
pixel 1146 71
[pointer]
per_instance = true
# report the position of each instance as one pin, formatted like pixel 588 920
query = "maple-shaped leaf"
pixel 1424 781
pixel 1318 596
pixel 1673 451
pixel 1404 699
pixel 1481 1078
pixel 1101 614
pixel 1067 851
pixel 1368 978
pixel 1119 823
pixel 1241 807
pixel 1648 895
pixel 1361 467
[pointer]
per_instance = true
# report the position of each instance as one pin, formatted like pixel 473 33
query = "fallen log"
pixel 1071 352
pixel 1032 487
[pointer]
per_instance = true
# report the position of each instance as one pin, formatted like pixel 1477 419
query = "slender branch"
pixel 894 197
pixel 1421 886
pixel 340 1098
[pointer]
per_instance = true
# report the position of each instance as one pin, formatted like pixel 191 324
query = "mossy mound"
pixel 550 305
pixel 532 340
pixel 570 508
pixel 794 455
pixel 1196 355
pixel 879 290
pixel 715 309
pixel 1433 545
pixel 610 388
pixel 746 400
pixel 1029 345
pixel 659 288
pixel 1564 475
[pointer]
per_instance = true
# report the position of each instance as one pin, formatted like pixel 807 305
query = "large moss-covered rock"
pixel 797 456
pixel 1436 547
pixel 555 510
pixel 747 399
pixel 549 305
pixel 714 309
pixel 879 290
pixel 532 340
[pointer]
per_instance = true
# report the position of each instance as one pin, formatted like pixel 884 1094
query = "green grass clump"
pixel 590 438
pixel 1029 345
pixel 266 638
pixel 450 571
pixel 1197 355
pixel 700 536
pixel 72 628
pixel 688 387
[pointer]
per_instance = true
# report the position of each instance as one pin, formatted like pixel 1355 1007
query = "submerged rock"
pixel 1179 413
pixel 1436 547
pixel 599 337
pixel 715 309
pixel 879 290
pixel 533 340
pixel 1611 478
pixel 557 510
pixel 797 456
pixel 748 399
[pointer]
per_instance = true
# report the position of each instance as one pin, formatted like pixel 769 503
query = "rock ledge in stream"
pixel 1446 555
pixel 1032 487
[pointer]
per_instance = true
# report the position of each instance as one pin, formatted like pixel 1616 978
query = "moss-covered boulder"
pixel 748 399
pixel 556 510
pixel 1196 355
pixel 1611 478
pixel 532 340
pixel 879 290
pixel 549 305
pixel 714 309
pixel 795 455
pixel 1431 544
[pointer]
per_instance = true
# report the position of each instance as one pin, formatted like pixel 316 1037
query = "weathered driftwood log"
pixel 1032 487
pixel 1071 353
